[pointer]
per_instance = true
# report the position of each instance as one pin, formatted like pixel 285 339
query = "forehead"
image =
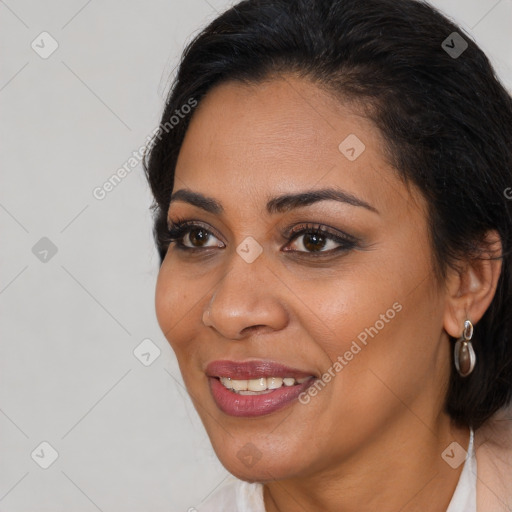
pixel 283 136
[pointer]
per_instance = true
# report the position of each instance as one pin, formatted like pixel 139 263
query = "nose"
pixel 246 300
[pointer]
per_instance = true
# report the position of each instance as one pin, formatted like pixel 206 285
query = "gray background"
pixel 126 434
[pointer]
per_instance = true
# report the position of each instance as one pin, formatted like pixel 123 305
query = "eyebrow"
pixel 277 204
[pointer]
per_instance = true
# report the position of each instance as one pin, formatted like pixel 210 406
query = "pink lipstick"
pixel 255 388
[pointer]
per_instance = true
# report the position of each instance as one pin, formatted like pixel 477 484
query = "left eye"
pixel 311 240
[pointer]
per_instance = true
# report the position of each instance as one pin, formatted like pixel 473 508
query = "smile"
pixel 255 388
pixel 261 385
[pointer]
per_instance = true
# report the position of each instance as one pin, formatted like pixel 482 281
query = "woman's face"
pixel 257 287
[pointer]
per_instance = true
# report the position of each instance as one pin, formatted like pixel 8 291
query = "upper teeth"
pixel 261 384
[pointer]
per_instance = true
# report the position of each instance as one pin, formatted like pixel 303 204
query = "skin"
pixel 372 438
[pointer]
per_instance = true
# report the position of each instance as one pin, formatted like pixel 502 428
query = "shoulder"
pixel 235 495
pixel 493 450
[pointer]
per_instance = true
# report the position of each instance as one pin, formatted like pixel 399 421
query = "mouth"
pixel 259 386
pixel 255 388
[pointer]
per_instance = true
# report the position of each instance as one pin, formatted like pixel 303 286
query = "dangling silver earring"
pixel 463 352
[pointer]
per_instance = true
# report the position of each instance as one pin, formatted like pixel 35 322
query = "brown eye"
pixel 191 236
pixel 318 240
pixel 314 242
pixel 198 236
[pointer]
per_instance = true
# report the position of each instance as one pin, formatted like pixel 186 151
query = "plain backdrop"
pixel 89 387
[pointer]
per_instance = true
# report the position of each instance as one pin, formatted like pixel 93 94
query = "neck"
pixel 402 470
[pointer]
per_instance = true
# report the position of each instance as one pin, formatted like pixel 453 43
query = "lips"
pixel 231 386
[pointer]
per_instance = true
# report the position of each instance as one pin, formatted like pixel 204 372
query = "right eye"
pixel 191 236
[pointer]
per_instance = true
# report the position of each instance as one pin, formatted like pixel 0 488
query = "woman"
pixel 332 216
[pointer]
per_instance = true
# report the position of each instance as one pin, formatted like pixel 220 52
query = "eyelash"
pixel 182 227
pixel 179 229
pixel 345 241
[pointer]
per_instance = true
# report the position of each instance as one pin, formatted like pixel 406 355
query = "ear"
pixel 471 288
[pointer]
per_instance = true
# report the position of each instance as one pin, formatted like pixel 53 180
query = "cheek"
pixel 162 300
pixel 389 355
pixel 173 306
pixel 384 324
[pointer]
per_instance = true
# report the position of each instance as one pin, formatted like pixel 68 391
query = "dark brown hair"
pixel 446 120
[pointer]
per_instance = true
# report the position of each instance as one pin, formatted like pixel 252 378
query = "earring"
pixel 463 352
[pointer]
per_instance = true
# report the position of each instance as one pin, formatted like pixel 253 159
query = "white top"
pixel 239 496
pixel 464 497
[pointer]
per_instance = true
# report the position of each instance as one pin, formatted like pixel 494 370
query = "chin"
pixel 255 459
pixel 264 470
